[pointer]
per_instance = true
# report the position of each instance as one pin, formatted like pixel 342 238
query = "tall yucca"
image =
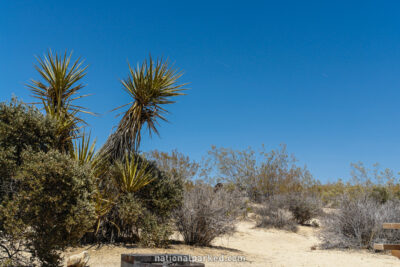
pixel 151 86
pixel 58 89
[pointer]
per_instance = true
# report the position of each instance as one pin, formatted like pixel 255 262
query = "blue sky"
pixel 320 76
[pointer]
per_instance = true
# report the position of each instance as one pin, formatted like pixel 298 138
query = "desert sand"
pixel 260 247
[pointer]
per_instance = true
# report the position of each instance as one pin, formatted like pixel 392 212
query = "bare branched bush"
pixel 260 176
pixel 286 211
pixel 358 223
pixel 272 215
pixel 13 249
pixel 207 213
pixel 174 163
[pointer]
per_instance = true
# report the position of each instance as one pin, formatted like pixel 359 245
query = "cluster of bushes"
pixel 52 197
pixel 138 216
pixel 55 193
pixel 46 197
pixel 287 211
pixel 358 223
pixel 260 175
pixel 50 200
pixel 360 206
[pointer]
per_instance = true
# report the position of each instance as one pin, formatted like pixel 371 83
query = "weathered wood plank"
pixel 387 246
pixel 396 253
pixel 391 226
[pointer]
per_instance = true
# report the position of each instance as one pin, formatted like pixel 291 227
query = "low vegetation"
pixel 58 191
pixel 273 214
pixel 207 213
pixel 358 223
pixel 260 175
pixel 288 211
pixel 54 203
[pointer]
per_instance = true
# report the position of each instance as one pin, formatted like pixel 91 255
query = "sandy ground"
pixel 260 247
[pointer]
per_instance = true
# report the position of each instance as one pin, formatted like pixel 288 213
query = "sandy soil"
pixel 260 247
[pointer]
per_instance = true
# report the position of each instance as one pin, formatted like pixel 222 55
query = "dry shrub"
pixel 274 214
pixel 273 217
pixel 304 208
pixel 286 211
pixel 358 223
pixel 260 175
pixel 207 213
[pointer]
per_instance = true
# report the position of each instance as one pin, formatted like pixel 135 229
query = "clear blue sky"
pixel 320 76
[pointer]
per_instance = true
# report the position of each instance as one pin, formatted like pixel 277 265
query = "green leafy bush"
pixel 134 215
pixel 163 195
pixel 380 194
pixel 130 210
pixel 54 201
pixel 21 127
pixel 154 233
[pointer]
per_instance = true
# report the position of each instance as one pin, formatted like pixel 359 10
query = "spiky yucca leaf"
pixel 59 88
pixel 84 150
pixel 132 175
pixel 67 128
pixel 151 86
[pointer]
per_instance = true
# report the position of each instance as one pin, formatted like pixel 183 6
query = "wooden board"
pixel 396 253
pixel 391 226
pixel 387 246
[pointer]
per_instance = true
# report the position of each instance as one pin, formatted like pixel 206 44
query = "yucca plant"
pixel 132 175
pixel 84 150
pixel 58 90
pixel 151 86
pixel 66 128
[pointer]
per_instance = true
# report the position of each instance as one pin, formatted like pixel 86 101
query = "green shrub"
pixel 156 201
pixel 163 195
pixel 122 223
pixel 153 232
pixel 380 194
pixel 21 127
pixel 54 201
pixel 8 167
pixel 130 210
